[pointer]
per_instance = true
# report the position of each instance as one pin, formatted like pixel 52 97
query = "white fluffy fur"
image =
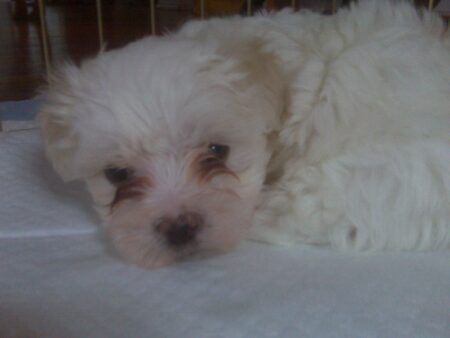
pixel 339 129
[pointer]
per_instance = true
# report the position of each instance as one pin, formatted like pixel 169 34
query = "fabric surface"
pixel 33 198
pixel 58 279
pixel 19 110
pixel 18 115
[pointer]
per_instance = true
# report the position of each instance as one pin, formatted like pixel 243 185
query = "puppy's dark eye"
pixel 219 150
pixel 117 175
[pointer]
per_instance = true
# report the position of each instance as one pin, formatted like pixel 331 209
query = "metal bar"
pixel 202 9
pixel 430 4
pixel 100 23
pixel 293 5
pixel 44 36
pixel 334 6
pixel 249 7
pixel 152 17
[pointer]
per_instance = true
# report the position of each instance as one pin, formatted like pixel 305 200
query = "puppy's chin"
pixel 136 240
pixel 131 248
pixel 136 245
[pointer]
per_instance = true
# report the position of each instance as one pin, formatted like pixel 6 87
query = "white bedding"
pixel 57 278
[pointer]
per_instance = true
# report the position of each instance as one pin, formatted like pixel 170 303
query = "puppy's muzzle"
pixel 181 231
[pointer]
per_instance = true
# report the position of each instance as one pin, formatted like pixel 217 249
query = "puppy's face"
pixel 170 138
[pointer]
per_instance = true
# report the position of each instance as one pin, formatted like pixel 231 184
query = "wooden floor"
pixel 72 30
pixel 73 35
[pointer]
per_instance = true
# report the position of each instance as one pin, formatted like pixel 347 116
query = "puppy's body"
pixel 337 131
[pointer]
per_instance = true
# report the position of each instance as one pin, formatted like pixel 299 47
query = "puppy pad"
pixel 57 278
pixel 34 201
pixel 18 115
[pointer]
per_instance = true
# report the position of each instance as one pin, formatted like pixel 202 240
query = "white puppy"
pixel 330 130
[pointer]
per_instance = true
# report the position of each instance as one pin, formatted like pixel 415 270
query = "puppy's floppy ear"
pixel 56 118
pixel 263 80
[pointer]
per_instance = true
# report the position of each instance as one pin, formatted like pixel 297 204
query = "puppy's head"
pixel 170 137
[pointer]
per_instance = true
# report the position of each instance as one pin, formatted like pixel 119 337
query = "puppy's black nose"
pixel 180 234
pixel 181 231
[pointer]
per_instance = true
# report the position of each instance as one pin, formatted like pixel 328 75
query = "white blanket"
pixel 57 278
